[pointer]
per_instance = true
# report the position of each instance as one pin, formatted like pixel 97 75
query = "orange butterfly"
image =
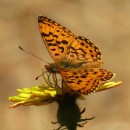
pixel 77 59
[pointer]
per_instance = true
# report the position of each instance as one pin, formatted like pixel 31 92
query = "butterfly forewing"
pixel 62 44
pixel 85 81
pixel 56 37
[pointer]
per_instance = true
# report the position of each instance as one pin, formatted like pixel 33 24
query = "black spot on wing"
pixel 41 18
pixel 58 30
pixel 91 51
pixel 64 42
pixel 61 48
pixel 56 54
pixel 50 40
pixel 52 44
pixel 83 76
pixel 69 82
pixel 79 81
pixel 53 49
pixel 49 34
pixel 82 44
pixel 82 50
pixel 76 76
pixel 95 72
pixel 44 34
pixel 92 55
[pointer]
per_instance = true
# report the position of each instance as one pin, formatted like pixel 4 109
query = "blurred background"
pixel 104 22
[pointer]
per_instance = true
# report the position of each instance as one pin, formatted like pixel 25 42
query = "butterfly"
pixel 76 58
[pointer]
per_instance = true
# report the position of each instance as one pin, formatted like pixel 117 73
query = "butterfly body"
pixel 76 58
pixel 70 65
pixel 56 68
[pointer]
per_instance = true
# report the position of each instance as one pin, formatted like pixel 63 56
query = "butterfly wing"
pixel 56 37
pixel 62 44
pixel 85 81
pixel 84 51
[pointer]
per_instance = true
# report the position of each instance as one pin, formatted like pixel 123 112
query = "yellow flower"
pixel 36 95
pixel 108 85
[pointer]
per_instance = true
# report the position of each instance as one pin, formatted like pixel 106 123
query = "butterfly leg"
pixel 55 80
pixel 48 78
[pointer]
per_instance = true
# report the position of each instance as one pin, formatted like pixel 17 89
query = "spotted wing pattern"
pixel 85 81
pixel 62 44
pixel 56 37
pixel 70 51
pixel 83 50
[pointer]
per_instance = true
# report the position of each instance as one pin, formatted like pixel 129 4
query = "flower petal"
pixel 108 85
pixel 36 95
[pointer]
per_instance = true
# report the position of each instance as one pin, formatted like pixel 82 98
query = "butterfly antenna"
pixel 32 54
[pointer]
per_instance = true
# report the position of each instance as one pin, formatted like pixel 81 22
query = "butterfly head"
pixel 52 68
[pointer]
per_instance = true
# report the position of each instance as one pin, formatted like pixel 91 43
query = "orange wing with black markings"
pixel 56 37
pixel 86 81
pixel 84 49
pixel 62 44
pixel 77 59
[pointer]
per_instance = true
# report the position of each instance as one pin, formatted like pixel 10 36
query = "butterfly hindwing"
pixel 83 50
pixel 85 81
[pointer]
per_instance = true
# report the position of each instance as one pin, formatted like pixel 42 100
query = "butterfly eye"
pixel 54 69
